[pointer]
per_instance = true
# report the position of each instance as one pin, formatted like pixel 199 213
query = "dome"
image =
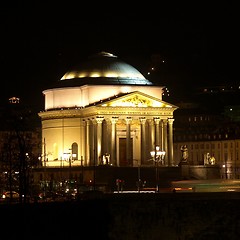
pixel 105 68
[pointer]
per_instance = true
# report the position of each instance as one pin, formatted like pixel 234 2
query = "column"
pixel 170 148
pixel 82 141
pixel 165 140
pixel 93 141
pixel 161 135
pixel 151 138
pixel 87 140
pixel 128 141
pixel 143 140
pixel 108 134
pixel 113 155
pixel 157 132
pixel 99 121
pixel 152 134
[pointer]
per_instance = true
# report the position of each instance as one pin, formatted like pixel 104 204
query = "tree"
pixel 19 150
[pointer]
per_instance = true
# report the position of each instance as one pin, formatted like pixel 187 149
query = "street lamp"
pixel 157 156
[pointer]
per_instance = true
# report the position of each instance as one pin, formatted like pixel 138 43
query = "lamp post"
pixel 71 159
pixel 157 156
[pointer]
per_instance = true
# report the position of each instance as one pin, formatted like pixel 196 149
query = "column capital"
pixel 156 120
pixel 114 120
pixel 150 121
pixel 86 121
pixel 165 121
pixel 128 120
pixel 142 120
pixel 99 119
pixel 170 120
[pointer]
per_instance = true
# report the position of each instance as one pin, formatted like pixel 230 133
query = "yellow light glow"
pixel 65 156
pixel 157 104
pixel 123 104
pixel 82 75
pixel 95 75
pixel 124 76
pixel 69 76
pixel 111 75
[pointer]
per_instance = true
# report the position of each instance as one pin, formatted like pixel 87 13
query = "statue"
pixel 209 160
pixel 212 160
pixel 184 151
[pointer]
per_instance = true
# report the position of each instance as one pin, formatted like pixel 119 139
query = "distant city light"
pixel 14 100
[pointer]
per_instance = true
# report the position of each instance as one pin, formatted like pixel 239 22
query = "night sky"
pixel 197 43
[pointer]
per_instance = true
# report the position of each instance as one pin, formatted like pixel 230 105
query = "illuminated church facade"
pixel 105 112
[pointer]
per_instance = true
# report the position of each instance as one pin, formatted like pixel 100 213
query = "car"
pixel 7 195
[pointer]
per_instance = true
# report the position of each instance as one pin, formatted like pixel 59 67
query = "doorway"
pixel 123 161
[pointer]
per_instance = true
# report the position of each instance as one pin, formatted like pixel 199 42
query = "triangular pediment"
pixel 136 99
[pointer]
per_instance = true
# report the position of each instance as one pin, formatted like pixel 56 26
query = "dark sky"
pixel 198 44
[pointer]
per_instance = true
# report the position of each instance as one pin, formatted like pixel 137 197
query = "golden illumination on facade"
pixel 111 75
pixel 136 101
pixel 84 122
pixel 63 128
pixel 82 75
pixel 95 75
pixel 70 76
pixel 101 74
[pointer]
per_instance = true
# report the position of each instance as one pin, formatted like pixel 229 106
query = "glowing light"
pixel 111 75
pixel 95 75
pixel 65 156
pixel 99 74
pixel 82 75
pixel 14 100
pixel 68 76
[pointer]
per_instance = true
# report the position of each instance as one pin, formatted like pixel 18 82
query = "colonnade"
pixel 101 135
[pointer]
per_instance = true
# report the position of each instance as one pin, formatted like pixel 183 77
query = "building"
pixel 105 112
pixel 209 127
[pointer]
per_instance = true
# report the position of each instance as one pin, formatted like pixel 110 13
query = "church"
pixel 104 112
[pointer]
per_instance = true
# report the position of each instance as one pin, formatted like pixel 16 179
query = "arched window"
pixel 74 151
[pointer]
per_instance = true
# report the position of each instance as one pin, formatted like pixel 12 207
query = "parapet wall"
pixel 200 172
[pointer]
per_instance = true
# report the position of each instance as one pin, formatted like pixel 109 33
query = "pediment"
pixel 137 99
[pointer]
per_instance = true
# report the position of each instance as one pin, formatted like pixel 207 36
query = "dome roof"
pixel 105 68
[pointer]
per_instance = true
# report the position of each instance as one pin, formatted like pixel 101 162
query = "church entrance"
pixel 123 161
